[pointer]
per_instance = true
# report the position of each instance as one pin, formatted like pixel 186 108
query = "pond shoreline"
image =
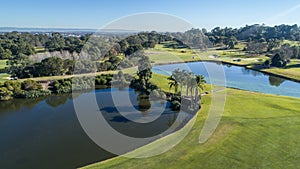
pixel 230 63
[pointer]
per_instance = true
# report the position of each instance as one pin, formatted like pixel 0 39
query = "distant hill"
pixel 62 30
pixel 10 29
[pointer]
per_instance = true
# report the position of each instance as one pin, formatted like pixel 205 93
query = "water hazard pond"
pixel 45 132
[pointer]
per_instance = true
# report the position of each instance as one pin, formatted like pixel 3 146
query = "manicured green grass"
pixel 160 55
pixel 39 49
pixel 292 43
pixel 250 61
pixel 256 131
pixel 292 70
pixel 3 64
pixel 167 55
pixel 3 77
pixel 293 73
pixel 163 83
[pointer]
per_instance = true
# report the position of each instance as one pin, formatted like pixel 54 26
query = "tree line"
pixel 13 44
pixel 254 32
pixel 33 89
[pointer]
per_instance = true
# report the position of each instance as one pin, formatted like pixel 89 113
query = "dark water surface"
pixel 45 132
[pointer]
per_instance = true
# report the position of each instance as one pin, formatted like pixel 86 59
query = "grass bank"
pixel 291 71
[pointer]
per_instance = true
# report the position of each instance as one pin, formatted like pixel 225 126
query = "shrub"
pixel 103 79
pixel 175 105
pixel 176 97
pixel 14 86
pixel 278 61
pixel 62 86
pixel 163 95
pixel 35 93
pixel 155 94
pixel 31 85
pixel 267 63
pixel 5 94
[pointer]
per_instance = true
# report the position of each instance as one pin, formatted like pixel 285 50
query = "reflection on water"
pixel 276 81
pixel 45 132
pixel 250 72
pixel 55 101
pixel 143 102
pixel 145 107
pixel 18 104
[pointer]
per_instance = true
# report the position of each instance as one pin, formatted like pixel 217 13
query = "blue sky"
pixel 94 14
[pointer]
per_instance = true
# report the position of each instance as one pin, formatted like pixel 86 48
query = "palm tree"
pixel 183 78
pixel 192 84
pixel 178 76
pixel 196 83
pixel 173 83
pixel 200 81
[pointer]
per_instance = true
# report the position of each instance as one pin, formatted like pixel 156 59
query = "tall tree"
pixel 272 43
pixel 173 83
pixel 144 68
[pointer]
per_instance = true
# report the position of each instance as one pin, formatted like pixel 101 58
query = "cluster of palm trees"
pixel 184 79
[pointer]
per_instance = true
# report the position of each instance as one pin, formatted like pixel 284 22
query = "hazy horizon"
pixel 96 14
pixel 121 29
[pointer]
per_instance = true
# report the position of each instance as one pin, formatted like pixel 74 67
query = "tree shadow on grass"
pixel 261 66
pixel 292 66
